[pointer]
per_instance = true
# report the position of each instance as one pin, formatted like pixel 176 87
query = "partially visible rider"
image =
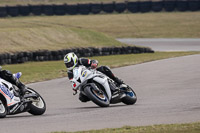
pixel 13 79
pixel 71 61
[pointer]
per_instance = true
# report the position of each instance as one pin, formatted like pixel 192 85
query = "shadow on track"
pixel 18 116
pixel 24 116
pixel 97 107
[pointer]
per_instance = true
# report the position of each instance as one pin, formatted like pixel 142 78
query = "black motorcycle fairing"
pixel 23 106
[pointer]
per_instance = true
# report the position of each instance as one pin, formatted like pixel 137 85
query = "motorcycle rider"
pixel 71 61
pixel 13 79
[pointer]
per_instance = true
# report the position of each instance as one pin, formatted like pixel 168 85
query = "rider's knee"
pixel 103 69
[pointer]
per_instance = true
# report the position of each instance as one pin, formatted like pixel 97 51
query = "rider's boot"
pixel 22 87
pixel 120 83
pixel 106 70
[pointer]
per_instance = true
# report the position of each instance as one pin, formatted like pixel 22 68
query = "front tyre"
pixel 97 96
pixel 38 106
pixel 3 110
pixel 130 97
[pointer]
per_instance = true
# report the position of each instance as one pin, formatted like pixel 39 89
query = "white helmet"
pixel 70 60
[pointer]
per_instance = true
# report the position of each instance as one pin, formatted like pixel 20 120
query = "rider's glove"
pixel 94 64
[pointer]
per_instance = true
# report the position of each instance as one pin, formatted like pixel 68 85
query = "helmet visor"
pixel 69 64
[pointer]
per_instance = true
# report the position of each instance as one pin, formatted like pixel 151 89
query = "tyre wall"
pixel 47 10
pixel 133 7
pixel 46 55
pixel 108 7
pixel 182 5
pixel 24 10
pixel 59 9
pixel 84 9
pixel 120 7
pixel 72 9
pixel 157 6
pixel 3 12
pixel 36 9
pixel 194 5
pixel 145 6
pixel 96 8
pixel 13 11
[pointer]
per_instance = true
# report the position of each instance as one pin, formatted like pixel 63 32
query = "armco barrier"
pixel 133 7
pixel 145 6
pixel 72 9
pixel 169 6
pixel 13 11
pixel 194 5
pixel 108 7
pixel 45 55
pixel 120 7
pixel 3 12
pixel 84 9
pixel 24 10
pixel 47 10
pixel 182 5
pixel 36 9
pixel 157 6
pixel 96 8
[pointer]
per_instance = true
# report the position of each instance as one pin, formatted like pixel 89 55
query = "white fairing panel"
pixel 82 74
pixel 8 93
pixel 104 82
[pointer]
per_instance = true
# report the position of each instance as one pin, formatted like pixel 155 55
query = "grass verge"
pixel 34 37
pixel 60 32
pixel 40 71
pixel 170 128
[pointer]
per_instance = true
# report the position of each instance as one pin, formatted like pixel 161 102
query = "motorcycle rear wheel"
pixel 38 106
pixel 97 96
pixel 3 110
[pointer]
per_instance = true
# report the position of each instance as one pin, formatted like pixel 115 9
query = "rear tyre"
pixel 3 110
pixel 97 96
pixel 38 106
pixel 130 97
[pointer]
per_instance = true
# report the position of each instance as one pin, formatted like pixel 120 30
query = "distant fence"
pixel 46 55
pixel 134 7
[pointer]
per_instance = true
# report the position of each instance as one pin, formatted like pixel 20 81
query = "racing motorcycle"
pixel 99 88
pixel 11 102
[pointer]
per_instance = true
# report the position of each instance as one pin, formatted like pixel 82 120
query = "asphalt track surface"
pixel 166 44
pixel 168 91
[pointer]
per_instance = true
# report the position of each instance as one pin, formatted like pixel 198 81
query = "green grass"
pixel 59 32
pixel 36 33
pixel 167 128
pixel 147 25
pixel 40 71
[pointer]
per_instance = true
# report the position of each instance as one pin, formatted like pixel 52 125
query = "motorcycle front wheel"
pixel 97 96
pixel 38 106
pixel 3 110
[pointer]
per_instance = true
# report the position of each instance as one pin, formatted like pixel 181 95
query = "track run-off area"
pixel 168 92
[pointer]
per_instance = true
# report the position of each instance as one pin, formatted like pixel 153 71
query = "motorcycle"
pixel 11 102
pixel 99 88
